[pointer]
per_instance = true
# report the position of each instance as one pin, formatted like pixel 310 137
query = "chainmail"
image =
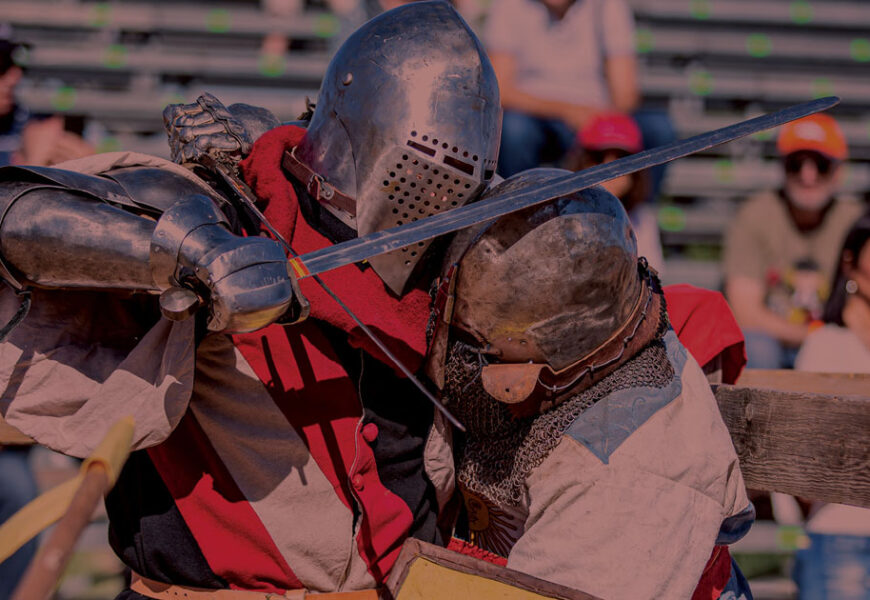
pixel 500 450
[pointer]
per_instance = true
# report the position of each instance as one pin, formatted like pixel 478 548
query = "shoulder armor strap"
pixel 150 190
pixel 92 185
pixel 158 189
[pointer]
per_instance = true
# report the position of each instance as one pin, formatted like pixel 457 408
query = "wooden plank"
pixel 425 571
pixel 848 384
pixel 806 444
pixel 10 436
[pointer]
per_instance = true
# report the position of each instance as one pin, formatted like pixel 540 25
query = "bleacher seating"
pixel 710 62
pixel 120 63
pixel 713 62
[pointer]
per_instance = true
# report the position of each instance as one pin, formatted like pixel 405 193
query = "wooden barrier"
pixel 804 434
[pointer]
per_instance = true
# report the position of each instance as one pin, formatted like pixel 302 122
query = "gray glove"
pixel 207 127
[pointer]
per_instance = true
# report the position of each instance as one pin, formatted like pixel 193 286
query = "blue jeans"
pixel 656 129
pixel 17 488
pixel 527 142
pixel 833 567
pixel 763 351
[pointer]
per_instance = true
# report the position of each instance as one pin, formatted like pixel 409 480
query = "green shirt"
pixel 796 267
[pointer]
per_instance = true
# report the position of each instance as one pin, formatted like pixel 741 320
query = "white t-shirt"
pixel 834 349
pixel 561 60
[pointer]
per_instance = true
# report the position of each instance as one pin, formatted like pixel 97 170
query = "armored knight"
pixel 266 457
pixel 595 454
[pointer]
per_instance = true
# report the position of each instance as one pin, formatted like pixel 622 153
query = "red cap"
pixel 818 132
pixel 611 131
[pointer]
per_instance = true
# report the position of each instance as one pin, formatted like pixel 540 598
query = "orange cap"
pixel 818 132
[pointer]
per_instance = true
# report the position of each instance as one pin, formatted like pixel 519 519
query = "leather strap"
pixel 319 189
pixel 166 591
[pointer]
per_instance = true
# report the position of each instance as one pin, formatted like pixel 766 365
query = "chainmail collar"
pixel 500 449
pixel 645 327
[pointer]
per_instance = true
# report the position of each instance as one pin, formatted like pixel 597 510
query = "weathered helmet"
pixel 407 124
pixel 543 289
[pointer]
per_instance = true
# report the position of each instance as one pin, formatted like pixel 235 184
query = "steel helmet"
pixel 543 288
pixel 407 124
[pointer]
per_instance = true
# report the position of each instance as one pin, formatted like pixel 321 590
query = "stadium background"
pixel 111 67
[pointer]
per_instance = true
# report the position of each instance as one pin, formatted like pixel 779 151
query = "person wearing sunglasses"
pixel 781 249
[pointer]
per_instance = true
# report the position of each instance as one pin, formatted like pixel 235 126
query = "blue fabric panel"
pixel 607 424
pixel 736 526
pixel 737 587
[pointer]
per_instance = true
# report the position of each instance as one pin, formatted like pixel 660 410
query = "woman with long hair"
pixel 843 343
pixel 836 564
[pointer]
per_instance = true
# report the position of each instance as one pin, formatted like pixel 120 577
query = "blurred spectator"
pixel 842 345
pixel 836 565
pixel 276 43
pixel 36 142
pixel 48 142
pixel 17 488
pixel 12 116
pixel 24 140
pixel 559 62
pixel 781 249
pixel 606 137
pixel 17 485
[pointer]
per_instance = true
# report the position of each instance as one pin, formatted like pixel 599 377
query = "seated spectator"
pixel 555 69
pixel 46 142
pixel 842 345
pixel 23 140
pixel 559 62
pixel 836 565
pixel 780 250
pixel 17 484
pixel 276 43
pixel 13 116
pixel 606 137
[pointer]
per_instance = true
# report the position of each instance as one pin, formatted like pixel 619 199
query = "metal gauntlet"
pixel 246 280
pixel 208 128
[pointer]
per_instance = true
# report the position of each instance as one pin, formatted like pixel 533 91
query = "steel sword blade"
pixel 387 240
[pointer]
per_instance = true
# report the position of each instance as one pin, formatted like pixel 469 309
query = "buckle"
pixel 318 188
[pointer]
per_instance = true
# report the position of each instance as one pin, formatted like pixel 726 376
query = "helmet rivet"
pixel 348 79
